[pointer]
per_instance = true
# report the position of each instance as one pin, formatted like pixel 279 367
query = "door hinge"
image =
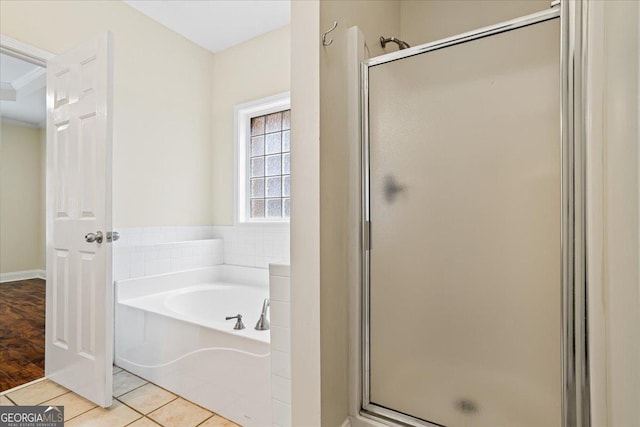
pixel 366 235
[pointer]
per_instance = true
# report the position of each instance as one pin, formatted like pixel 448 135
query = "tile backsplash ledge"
pixel 146 251
pixel 131 262
pixel 254 245
pixel 153 235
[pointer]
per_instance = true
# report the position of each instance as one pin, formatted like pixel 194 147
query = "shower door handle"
pixel 391 188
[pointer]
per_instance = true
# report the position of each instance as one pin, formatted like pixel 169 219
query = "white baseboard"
pixel 22 275
pixel 346 423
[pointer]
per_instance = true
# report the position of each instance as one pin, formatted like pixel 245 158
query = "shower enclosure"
pixel 473 293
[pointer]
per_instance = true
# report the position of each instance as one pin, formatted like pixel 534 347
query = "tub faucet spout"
pixel 263 322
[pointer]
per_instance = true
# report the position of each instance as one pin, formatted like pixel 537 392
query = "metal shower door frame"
pixel 574 346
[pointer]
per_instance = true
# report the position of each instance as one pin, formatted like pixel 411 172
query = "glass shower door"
pixel 465 251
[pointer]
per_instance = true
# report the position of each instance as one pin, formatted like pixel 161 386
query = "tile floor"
pixel 22 306
pixel 137 403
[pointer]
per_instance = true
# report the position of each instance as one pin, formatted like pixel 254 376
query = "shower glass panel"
pixel 465 232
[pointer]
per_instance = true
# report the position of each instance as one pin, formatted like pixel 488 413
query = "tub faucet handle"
pixel 239 324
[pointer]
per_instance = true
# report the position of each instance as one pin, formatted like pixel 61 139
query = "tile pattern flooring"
pixel 22 311
pixel 137 403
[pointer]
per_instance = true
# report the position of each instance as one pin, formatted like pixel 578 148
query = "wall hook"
pixel 326 42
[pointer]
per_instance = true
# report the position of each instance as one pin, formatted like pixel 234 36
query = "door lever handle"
pixel 94 237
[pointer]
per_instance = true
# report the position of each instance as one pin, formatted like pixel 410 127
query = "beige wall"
pixel 305 221
pixel 374 19
pixel 21 199
pixel 167 89
pixel 162 105
pixel 621 134
pixel 426 21
pixel 613 212
pixel 252 70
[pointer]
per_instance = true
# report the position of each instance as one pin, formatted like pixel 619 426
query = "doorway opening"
pixel 22 220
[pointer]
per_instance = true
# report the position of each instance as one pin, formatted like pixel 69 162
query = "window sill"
pixel 274 223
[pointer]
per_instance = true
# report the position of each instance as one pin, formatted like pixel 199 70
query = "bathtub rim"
pixel 155 283
pixel 150 292
pixel 156 304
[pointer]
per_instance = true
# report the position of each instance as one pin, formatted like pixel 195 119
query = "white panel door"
pixel 79 322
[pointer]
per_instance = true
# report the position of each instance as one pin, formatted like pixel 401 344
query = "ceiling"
pixel 23 95
pixel 217 24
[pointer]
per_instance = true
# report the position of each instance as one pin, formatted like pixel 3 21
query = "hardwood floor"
pixel 22 319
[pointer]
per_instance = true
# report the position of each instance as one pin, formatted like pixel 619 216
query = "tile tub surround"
pixel 138 404
pixel 171 330
pixel 131 262
pixel 279 293
pixel 254 245
pixel 148 251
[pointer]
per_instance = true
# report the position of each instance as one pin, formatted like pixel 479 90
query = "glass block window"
pixel 269 170
pixel 263 160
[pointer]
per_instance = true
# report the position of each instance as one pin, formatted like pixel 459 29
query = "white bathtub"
pixel 171 330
